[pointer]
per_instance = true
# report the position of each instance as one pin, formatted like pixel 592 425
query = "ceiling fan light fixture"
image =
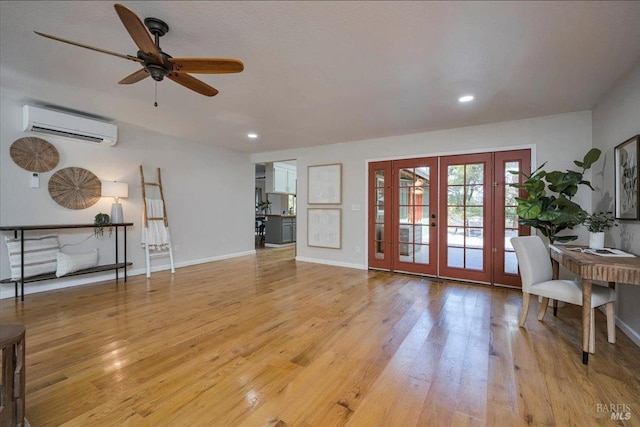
pixel 155 62
pixel 465 98
pixel 157 71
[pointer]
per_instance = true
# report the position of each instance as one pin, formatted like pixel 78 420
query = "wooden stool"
pixel 13 375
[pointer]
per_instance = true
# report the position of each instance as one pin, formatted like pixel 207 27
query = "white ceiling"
pixel 325 72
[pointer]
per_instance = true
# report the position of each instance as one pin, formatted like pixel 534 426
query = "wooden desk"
pixel 594 267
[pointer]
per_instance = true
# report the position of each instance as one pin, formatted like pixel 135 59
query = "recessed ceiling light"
pixel 466 98
pixel 252 135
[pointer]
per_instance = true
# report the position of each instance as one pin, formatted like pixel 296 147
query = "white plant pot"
pixel 596 240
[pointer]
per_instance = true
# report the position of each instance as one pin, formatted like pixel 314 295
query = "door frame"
pixel 531 147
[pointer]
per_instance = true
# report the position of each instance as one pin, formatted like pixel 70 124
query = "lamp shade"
pixel 115 189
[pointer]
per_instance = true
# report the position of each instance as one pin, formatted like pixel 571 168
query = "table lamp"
pixel 116 190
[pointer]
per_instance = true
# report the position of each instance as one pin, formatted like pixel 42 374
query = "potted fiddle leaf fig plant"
pixel 548 204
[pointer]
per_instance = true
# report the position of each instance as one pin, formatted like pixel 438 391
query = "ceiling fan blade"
pixel 207 65
pixel 192 83
pixel 135 77
pixel 137 31
pixel 129 57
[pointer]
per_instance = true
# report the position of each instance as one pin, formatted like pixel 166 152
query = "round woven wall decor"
pixel 75 188
pixel 34 154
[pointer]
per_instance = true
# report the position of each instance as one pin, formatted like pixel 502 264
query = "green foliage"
pixel 548 206
pixel 101 220
pixel 600 221
pixel 263 205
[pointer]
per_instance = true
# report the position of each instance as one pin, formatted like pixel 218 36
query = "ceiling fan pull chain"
pixel 155 104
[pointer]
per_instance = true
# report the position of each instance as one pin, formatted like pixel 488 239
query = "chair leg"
pixel 543 308
pixel 525 308
pixel 555 308
pixel 611 323
pixel 592 332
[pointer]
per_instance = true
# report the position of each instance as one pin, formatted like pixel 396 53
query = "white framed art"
pixel 324 184
pixel 324 228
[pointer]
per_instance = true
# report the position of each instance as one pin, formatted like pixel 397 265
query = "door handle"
pixel 433 224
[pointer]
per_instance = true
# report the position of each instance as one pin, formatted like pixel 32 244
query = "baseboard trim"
pixel 332 263
pixel 7 290
pixel 628 331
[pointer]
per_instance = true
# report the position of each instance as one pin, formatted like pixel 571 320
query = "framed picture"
pixel 626 179
pixel 324 184
pixel 324 228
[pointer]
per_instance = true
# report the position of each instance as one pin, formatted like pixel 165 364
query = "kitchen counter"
pixel 280 229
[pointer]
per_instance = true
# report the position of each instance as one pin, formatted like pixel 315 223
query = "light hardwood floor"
pixel 267 341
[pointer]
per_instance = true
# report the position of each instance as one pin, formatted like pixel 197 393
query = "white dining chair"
pixel 537 279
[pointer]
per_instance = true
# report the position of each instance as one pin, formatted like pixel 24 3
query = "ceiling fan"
pixel 155 62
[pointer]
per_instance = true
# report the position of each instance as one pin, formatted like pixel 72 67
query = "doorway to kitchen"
pixel 447 216
pixel 276 204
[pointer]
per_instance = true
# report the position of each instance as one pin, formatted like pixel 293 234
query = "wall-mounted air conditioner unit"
pixel 40 120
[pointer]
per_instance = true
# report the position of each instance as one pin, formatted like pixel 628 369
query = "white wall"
pixel 209 193
pixel 558 139
pixel 616 118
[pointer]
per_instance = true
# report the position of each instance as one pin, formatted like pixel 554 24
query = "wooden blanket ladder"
pixel 147 219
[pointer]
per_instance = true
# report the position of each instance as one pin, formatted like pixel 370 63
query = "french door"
pixel 449 216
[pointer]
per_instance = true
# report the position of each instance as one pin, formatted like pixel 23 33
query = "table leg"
pixel 586 319
pixel 555 265
pixel 116 253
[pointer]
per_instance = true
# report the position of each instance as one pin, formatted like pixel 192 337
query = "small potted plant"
pixel 264 205
pixel 101 220
pixel 597 223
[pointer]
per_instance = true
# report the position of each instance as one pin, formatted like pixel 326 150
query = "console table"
pixel 20 229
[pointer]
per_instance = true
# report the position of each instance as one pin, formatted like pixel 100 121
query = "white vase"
pixel 596 240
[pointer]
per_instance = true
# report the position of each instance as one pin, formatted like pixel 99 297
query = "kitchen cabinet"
pixel 280 178
pixel 280 229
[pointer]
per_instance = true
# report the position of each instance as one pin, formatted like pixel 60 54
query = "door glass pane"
pixel 455 216
pixel 405 258
pixel 510 195
pixel 455 195
pixel 474 174
pixel 455 175
pixel 379 249
pixel 474 195
pixel 473 259
pixel 421 234
pixel 509 177
pixel 380 178
pixel 380 196
pixel 510 216
pixel 455 257
pixel 423 172
pixel 508 234
pixel 406 177
pixel 421 254
pixel 406 233
pixel 510 263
